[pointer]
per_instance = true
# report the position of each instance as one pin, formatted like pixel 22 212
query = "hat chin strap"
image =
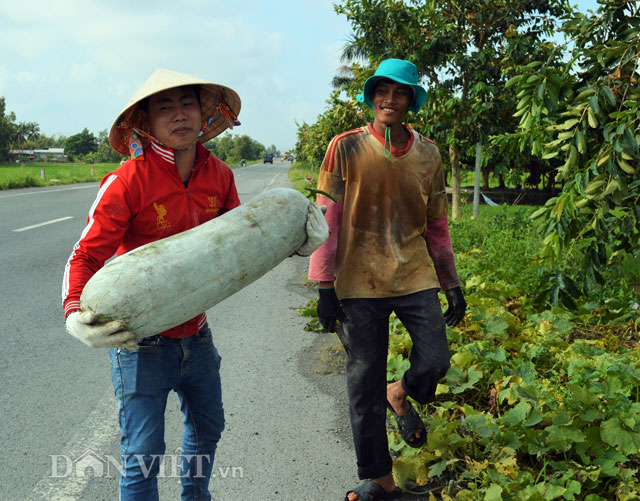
pixel 387 137
pixel 133 139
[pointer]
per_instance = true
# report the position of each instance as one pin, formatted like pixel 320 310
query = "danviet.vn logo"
pixel 92 464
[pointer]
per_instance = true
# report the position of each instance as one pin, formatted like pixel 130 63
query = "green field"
pixel 31 174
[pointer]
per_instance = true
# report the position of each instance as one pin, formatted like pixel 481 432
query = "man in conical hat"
pixel 170 184
pixel 389 251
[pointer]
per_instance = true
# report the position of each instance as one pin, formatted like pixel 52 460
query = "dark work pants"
pixel 366 343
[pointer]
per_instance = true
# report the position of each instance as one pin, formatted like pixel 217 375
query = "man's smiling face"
pixel 175 117
pixel 391 101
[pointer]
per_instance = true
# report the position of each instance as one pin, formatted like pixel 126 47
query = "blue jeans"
pixel 142 381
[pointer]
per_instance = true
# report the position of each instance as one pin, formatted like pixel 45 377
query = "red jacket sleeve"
pixel 107 222
pixel 232 200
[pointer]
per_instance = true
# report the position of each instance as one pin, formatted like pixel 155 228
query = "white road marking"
pixel 93 186
pixel 25 228
pixel 94 436
pixel 273 180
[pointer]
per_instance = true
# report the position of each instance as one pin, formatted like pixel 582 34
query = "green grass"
pixel 26 175
pixel 303 176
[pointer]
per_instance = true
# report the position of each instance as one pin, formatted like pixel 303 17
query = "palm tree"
pixel 32 131
pixel 24 131
pixel 343 78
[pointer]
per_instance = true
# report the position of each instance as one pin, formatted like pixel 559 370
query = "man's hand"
pixel 109 335
pixel 317 231
pixel 329 309
pixel 457 306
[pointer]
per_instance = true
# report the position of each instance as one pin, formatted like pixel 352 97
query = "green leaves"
pixel 517 415
pixel 460 381
pixel 396 366
pixel 606 92
pixel 588 129
pixel 529 409
pixel 623 431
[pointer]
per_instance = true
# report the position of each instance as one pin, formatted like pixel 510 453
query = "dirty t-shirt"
pixel 383 208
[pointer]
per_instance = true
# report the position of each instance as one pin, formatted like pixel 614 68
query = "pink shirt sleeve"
pixel 322 264
pixel 441 251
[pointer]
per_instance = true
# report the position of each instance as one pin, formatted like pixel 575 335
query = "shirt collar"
pixel 394 151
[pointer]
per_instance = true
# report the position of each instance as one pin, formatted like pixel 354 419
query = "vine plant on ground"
pixel 540 402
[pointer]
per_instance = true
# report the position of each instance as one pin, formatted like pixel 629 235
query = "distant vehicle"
pixel 268 158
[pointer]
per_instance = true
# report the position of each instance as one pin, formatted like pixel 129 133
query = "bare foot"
pixel 397 397
pixel 386 482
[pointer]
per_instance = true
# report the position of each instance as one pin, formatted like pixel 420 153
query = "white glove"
pixel 109 335
pixel 317 231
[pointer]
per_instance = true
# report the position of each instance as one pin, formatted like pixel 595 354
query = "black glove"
pixel 329 309
pixel 457 306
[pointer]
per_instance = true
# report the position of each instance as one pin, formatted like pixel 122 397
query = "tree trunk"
pixel 550 181
pixel 456 206
pixel 486 172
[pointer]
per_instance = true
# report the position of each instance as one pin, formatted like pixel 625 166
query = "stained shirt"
pixel 379 224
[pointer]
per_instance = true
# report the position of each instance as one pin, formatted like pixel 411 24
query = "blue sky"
pixel 72 64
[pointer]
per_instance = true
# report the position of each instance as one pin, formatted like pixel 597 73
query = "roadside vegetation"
pixel 30 174
pixel 25 175
pixel 541 401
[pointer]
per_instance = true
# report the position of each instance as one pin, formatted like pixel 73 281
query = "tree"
pixel 459 46
pixel 312 140
pixel 232 149
pixel 273 150
pixel 43 141
pixel 7 124
pixel 245 147
pixel 105 153
pixel 585 115
pixel 25 131
pixel 81 144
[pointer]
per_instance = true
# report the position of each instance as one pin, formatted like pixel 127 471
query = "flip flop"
pixel 408 425
pixel 369 490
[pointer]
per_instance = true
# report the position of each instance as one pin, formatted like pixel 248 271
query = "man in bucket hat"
pixel 389 251
pixel 170 184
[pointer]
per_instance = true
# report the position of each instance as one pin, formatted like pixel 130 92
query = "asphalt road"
pixel 287 433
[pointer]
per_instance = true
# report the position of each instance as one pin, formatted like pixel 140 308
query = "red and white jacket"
pixel 142 201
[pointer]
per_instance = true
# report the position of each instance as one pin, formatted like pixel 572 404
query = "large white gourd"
pixel 167 282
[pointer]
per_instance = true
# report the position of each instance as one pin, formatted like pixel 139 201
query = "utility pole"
pixel 476 186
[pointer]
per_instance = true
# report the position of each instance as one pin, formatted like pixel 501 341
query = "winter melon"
pixel 165 283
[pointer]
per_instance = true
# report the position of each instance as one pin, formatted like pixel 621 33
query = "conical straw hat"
pixel 211 95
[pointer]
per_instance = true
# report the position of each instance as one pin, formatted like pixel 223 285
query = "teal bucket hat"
pixel 398 70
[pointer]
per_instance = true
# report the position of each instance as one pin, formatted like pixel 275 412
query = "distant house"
pixel 50 153
pixel 56 154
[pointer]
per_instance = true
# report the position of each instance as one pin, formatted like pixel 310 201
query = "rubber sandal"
pixel 408 425
pixel 369 490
